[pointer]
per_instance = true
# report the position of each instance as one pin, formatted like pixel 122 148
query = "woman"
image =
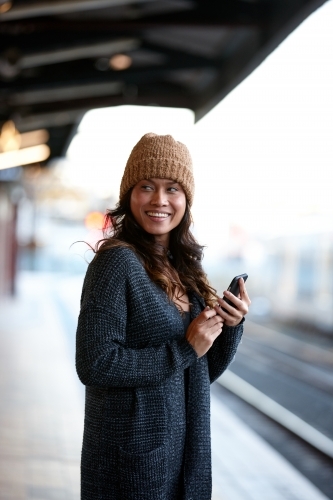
pixel 150 339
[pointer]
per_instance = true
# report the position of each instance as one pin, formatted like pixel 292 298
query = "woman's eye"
pixel 173 190
pixel 146 187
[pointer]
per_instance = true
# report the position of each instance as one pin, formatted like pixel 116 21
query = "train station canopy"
pixel 61 58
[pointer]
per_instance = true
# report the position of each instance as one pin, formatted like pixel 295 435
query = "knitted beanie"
pixel 162 157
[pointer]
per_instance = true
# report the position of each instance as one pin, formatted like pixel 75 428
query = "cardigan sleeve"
pixel 102 357
pixel 223 351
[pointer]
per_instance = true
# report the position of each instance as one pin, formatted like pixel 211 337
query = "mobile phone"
pixel 234 288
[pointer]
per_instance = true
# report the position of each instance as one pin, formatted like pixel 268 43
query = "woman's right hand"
pixel 203 330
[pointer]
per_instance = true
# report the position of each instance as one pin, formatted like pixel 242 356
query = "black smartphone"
pixel 234 287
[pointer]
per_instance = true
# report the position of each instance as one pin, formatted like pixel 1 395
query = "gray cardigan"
pixel 147 412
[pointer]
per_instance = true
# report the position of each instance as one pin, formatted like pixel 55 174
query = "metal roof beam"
pixel 87 74
pixel 59 114
pixel 64 93
pixel 128 27
pixel 53 8
pixel 57 118
pixel 58 89
pixel 105 49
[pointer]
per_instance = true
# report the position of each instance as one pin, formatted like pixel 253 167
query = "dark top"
pixel 143 439
pixel 186 317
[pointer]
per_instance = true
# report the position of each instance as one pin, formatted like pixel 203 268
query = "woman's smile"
pixel 158 216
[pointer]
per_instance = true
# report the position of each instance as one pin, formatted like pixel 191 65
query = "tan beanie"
pixel 162 157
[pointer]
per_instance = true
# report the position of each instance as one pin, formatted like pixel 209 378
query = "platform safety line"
pixel 275 411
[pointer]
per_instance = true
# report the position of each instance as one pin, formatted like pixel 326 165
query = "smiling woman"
pixel 149 339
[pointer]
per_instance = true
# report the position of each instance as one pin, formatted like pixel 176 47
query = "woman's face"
pixel 158 205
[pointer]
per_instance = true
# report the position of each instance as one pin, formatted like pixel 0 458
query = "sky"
pixel 263 157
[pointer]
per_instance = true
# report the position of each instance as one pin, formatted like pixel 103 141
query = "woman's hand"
pixel 203 330
pixel 234 315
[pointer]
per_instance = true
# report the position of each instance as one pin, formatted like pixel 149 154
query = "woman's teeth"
pixel 157 214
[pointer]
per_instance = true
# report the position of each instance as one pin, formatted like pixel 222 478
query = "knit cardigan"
pixel 147 409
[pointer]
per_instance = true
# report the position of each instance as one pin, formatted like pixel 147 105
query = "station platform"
pixel 41 419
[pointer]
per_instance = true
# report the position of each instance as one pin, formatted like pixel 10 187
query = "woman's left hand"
pixel 234 315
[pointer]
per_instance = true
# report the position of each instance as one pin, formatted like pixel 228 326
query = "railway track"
pixel 282 387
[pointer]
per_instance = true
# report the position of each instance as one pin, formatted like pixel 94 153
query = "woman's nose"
pixel 159 198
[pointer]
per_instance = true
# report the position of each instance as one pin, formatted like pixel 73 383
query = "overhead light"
pixel 10 138
pixel 119 62
pixel 22 149
pixel 25 156
pixel 5 7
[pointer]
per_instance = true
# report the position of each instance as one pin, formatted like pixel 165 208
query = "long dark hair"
pixel 177 270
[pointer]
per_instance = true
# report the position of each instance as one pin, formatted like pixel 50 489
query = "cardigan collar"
pixel 198 304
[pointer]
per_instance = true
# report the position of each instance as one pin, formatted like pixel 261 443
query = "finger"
pixel 241 284
pixel 220 312
pixel 207 314
pixel 230 313
pixel 215 334
pixel 224 305
pixel 215 327
pixel 243 291
pixel 235 300
pixel 217 321
pixel 245 297
pixel 233 319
